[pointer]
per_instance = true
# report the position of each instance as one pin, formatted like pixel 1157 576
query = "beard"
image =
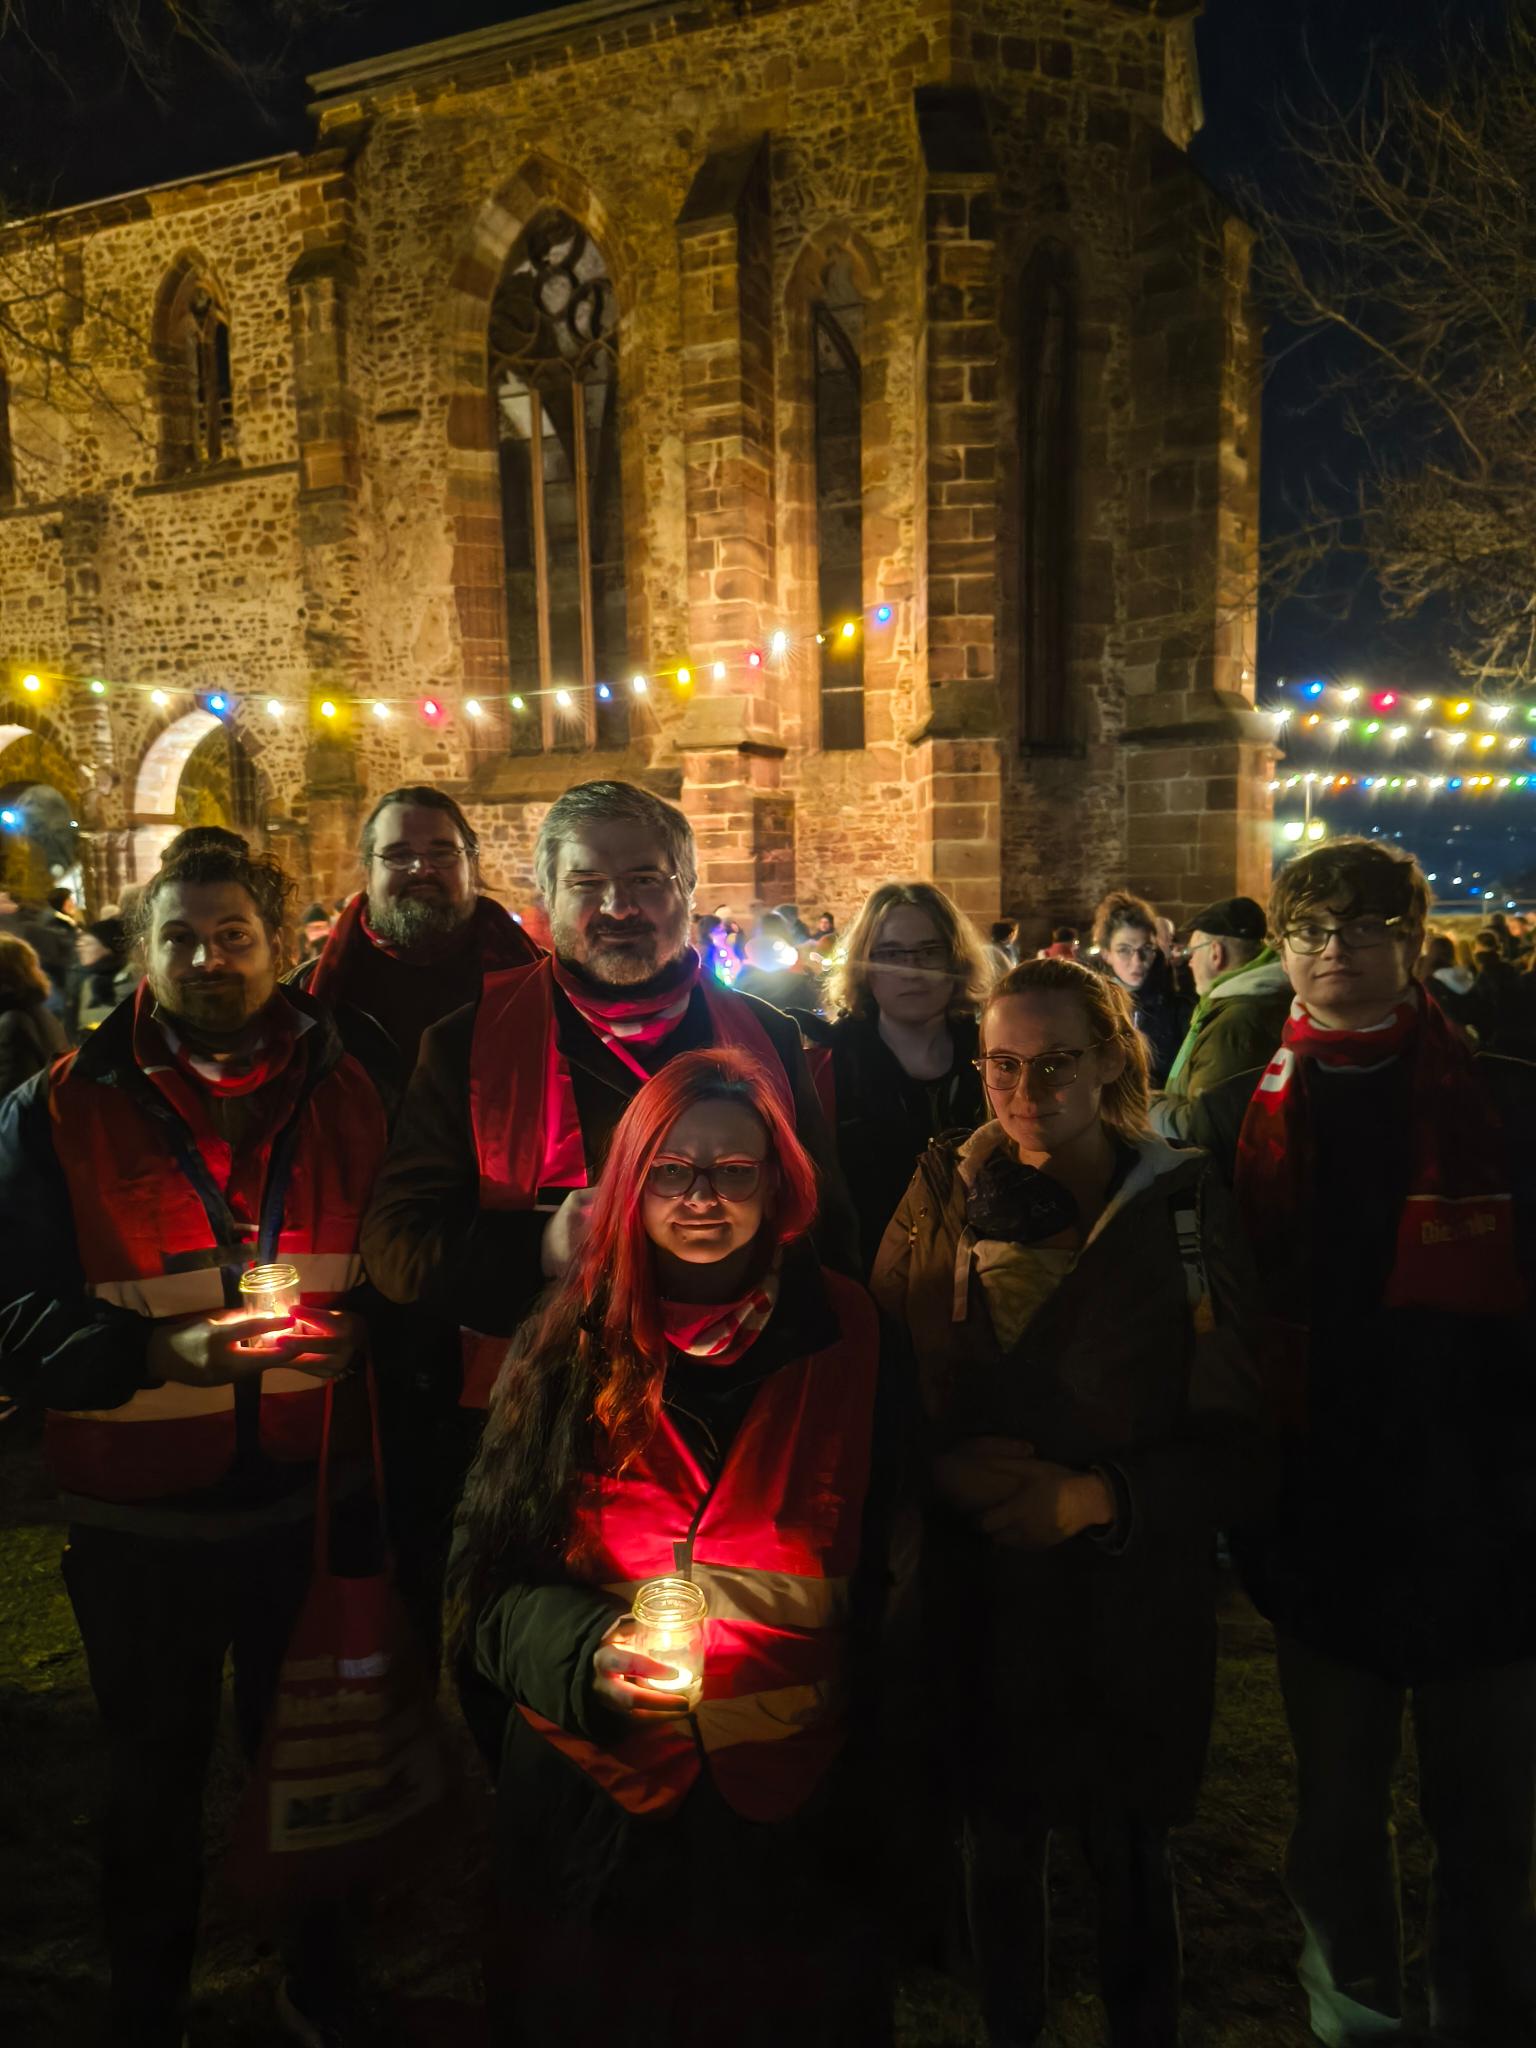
pixel 418 918
pixel 218 1008
pixel 653 944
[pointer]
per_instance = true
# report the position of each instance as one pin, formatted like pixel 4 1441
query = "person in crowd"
pixel 1003 938
pixel 903 1053
pixel 31 1036
pixel 1506 939
pixel 1125 934
pixel 12 923
pixel 1500 1006
pixel 774 971
pixel 698 1401
pixel 314 930
pixel 1441 971
pixel 52 931
pixel 101 954
pixel 1244 998
pixel 826 927
pixel 488 1185
pixel 798 930
pixel 214 1121
pixel 1064 944
pixel 416 943
pixel 1386 1179
pixel 1079 1301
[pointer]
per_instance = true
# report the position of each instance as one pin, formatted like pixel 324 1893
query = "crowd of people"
pixel 926 1318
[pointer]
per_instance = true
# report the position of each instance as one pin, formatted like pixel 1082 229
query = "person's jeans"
pixel 157 1618
pixel 1007 1902
pixel 1476 1739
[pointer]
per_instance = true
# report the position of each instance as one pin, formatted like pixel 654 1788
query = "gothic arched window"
pixel 197 394
pixel 837 333
pixel 1046 454
pixel 555 389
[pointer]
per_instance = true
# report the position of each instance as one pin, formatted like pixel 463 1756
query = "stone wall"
pixel 721 158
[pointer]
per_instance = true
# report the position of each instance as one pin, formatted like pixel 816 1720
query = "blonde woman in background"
pixel 1077 1295
pixel 909 980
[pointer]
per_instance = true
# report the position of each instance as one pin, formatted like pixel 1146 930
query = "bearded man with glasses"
pixel 413 945
pixel 1386 1178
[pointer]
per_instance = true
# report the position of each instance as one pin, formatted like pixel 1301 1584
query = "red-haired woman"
pixel 697 1400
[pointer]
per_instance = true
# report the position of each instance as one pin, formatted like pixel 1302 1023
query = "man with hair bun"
pixel 412 947
pixel 1388 1181
pixel 213 1121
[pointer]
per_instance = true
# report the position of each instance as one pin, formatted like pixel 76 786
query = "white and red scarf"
pixel 623 1020
pixel 1456 1231
pixel 721 1332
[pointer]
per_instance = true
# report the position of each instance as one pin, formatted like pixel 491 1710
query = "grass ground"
pixel 1239 1933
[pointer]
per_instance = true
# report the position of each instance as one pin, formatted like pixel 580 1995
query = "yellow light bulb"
pixel 327 709
pixel 32 683
pixel 685 676
pixel 849 629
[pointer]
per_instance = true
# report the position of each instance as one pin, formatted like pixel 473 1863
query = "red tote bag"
pixel 352 1780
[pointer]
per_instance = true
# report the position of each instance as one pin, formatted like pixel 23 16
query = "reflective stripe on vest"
pixel 773 1543
pixel 136 1215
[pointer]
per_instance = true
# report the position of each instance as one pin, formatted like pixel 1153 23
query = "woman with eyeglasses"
pixel 1125 937
pixel 698 1401
pixel 909 980
pixel 1078 1298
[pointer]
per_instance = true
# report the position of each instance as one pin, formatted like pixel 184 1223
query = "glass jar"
pixel 669 1626
pixel 269 1291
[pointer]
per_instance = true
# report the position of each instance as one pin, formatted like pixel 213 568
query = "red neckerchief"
pixel 721 1333
pixel 621 1020
pixel 498 938
pixel 164 1059
pixel 1456 1234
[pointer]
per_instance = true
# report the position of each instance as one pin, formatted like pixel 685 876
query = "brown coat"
pixel 1091 1664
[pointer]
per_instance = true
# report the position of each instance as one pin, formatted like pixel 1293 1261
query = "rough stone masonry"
pixel 1044 463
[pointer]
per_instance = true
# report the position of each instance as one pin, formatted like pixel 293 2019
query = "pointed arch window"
pixel 555 391
pixel 7 446
pixel 837 336
pixel 196 375
pixel 1048 712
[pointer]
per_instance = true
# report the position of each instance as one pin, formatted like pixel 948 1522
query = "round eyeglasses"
pixel 1001 1072
pixel 728 1180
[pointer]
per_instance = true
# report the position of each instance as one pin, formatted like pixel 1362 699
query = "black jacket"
pixel 426 1238
pixel 1404 1541
pixel 1162 1015
pixel 885 1119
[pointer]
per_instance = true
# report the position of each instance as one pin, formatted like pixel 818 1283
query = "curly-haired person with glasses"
pixel 1078 1299
pixel 1385 1175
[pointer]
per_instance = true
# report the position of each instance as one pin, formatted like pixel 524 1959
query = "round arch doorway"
pixel 196 772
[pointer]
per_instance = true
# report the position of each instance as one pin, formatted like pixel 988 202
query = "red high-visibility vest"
pixel 773 1543
pixel 146 1243
pixel 512 1070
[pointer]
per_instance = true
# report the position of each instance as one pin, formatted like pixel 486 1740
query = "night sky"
pixel 108 131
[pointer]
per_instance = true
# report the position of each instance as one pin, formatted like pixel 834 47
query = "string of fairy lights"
pixel 433 709
pixel 1477 747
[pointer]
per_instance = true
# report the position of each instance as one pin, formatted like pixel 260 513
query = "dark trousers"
pixel 157 1619
pixel 1007 1903
pixel 1476 1740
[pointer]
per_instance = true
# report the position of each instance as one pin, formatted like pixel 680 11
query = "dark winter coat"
pixel 1233 1035
pixel 1403 1539
pixel 885 1120
pixel 31 1038
pixel 1089 1666
pixel 1161 1013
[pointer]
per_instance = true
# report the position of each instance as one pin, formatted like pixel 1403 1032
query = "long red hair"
pixel 581 1390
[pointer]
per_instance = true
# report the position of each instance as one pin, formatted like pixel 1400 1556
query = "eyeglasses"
pixel 439 860
pixel 1182 953
pixel 1001 1072
pixel 593 888
pixel 1147 952
pixel 934 954
pixel 1355 934
pixel 728 1180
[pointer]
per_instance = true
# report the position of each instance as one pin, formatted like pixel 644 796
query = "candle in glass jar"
pixel 269 1291
pixel 669 1626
